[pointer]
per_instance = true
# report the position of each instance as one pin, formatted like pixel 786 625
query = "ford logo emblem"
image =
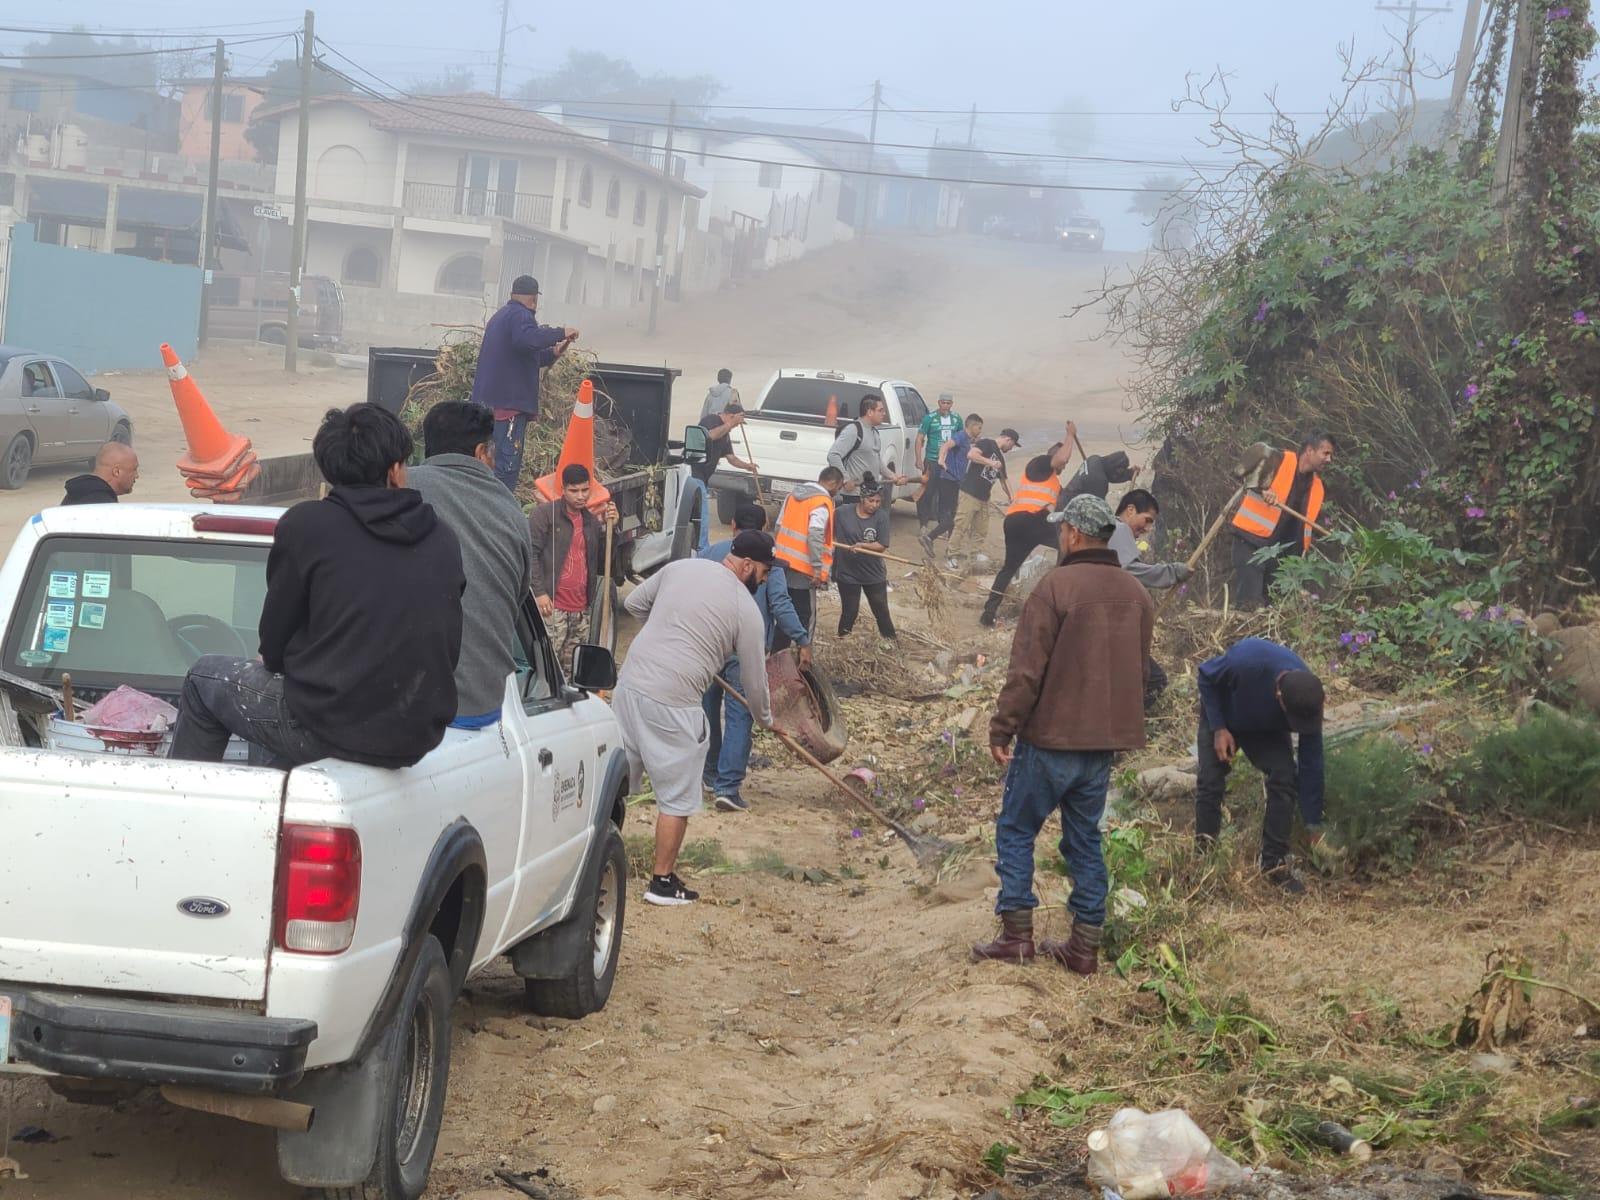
pixel 202 906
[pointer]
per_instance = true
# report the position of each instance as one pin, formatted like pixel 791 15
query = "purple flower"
pixel 1346 638
pixel 1261 313
pixel 1469 391
pixel 855 833
pixel 1392 496
pixel 1515 342
pixel 1579 317
pixel 958 791
pixel 947 738
pixel 919 804
pixel 1495 612
pixel 1480 343
pixel 1475 513
pixel 1427 747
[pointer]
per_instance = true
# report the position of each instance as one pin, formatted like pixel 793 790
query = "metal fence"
pixel 449 200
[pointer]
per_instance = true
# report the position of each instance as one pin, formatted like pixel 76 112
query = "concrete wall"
pixel 373 317
pixel 45 298
pixel 194 123
pixel 423 254
pixel 346 158
pixel 328 246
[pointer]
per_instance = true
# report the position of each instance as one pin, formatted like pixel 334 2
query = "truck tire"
pixel 600 907
pixel 418 1068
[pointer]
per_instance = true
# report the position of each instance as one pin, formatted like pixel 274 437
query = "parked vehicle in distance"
pixel 50 414
pixel 256 308
pixel 789 432
pixel 1082 233
pixel 281 946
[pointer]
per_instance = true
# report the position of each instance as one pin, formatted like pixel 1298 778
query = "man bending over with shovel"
pixel 1072 699
pixel 697 615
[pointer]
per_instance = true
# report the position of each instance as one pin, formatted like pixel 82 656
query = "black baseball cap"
pixel 1302 697
pixel 524 285
pixel 754 545
pixel 1016 438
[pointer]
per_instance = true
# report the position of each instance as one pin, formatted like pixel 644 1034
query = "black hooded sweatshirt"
pixel 88 489
pixel 363 620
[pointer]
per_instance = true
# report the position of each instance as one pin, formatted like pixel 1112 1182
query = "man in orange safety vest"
pixel 803 543
pixel 1260 521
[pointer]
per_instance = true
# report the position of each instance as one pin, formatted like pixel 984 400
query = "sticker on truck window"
pixel 57 641
pixel 91 616
pixel 63 585
pixel 58 614
pixel 96 585
pixel 5 1029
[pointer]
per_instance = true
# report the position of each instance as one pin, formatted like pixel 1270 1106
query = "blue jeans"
pixel 728 754
pixel 705 516
pixel 1038 783
pixel 508 449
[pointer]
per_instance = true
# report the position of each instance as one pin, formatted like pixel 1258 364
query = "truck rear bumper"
pixel 94 1037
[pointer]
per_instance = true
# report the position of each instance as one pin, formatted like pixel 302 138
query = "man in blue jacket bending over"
pixel 515 349
pixel 1253 698
pixel 728 754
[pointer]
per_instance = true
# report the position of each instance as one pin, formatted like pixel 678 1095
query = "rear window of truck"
pixel 808 398
pixel 134 610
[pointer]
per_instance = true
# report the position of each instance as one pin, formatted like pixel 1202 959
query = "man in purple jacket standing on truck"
pixel 515 349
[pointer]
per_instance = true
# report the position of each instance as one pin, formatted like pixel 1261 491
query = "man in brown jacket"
pixel 568 545
pixel 1073 697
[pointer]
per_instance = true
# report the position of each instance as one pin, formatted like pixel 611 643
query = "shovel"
pixel 929 851
pixel 1254 470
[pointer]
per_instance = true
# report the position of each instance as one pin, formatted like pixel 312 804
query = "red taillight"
pixel 217 523
pixel 319 889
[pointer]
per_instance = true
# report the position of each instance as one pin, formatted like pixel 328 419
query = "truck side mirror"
pixel 694 444
pixel 594 669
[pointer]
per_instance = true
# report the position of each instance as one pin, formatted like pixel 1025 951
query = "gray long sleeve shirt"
pixel 497 556
pixel 857 451
pixel 697 615
pixel 1154 576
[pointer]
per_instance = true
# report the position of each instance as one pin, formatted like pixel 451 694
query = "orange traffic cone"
pixel 577 447
pixel 213 451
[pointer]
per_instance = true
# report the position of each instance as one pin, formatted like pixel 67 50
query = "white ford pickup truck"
pixel 789 435
pixel 280 946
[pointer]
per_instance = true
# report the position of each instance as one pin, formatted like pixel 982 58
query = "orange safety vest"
pixel 1035 496
pixel 1259 518
pixel 791 538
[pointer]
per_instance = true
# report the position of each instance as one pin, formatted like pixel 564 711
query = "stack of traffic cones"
pixel 577 447
pixel 220 465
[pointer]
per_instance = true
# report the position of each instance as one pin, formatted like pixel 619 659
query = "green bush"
pixel 1374 787
pixel 1548 767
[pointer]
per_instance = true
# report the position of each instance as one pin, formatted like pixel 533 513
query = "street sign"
pixel 270 211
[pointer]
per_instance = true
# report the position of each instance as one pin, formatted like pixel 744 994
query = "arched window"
pixel 461 276
pixel 613 198
pixel 586 188
pixel 341 174
pixel 361 268
pixel 639 207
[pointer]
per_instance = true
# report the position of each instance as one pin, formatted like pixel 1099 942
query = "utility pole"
pixel 872 148
pixel 500 59
pixel 661 218
pixel 208 223
pixel 1466 59
pixel 1414 12
pixel 297 251
pixel 1514 120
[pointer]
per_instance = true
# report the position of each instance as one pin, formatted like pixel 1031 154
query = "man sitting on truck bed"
pixel 458 482
pixel 361 625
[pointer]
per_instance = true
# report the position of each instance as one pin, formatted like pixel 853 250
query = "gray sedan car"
pixel 50 414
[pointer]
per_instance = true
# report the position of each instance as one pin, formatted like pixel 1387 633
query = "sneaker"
pixel 669 891
pixel 732 803
pixel 953 564
pixel 1283 877
pixel 986 620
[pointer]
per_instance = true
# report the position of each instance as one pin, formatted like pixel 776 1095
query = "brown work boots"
pixel 1015 943
pixel 1079 953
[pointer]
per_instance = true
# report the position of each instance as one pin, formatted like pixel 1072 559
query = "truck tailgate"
pixel 791 453
pixel 141 875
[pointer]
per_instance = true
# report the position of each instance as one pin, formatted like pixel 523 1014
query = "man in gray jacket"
pixel 857 449
pixel 458 481
pixel 1136 516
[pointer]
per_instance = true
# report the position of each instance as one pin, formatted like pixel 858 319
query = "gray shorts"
pixel 668 744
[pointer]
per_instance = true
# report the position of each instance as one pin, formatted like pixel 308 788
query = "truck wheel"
pixel 600 906
pixel 413 1094
pixel 123 434
pixel 17 463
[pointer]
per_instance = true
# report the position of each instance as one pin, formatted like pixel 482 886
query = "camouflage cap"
pixel 1089 515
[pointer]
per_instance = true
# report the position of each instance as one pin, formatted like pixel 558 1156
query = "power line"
pixel 266 37
pixel 150 31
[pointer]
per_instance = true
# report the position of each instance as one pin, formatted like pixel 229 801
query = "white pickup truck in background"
pixel 280 946
pixel 789 434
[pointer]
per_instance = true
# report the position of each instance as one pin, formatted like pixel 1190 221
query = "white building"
pixel 455 196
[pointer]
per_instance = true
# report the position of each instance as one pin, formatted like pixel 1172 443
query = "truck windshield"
pixel 791 397
pixel 134 610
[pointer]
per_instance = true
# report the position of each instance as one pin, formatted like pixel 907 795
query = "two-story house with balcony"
pixel 455 196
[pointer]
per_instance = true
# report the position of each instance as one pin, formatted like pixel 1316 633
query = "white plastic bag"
pixel 1148 1155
